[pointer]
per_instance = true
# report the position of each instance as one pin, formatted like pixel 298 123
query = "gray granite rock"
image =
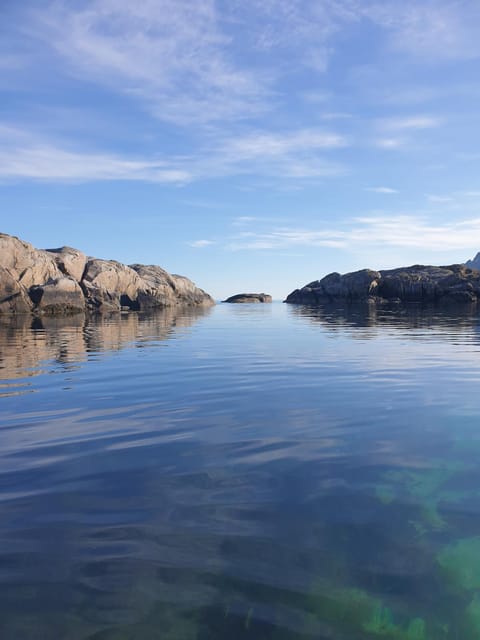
pixel 57 297
pixel 475 263
pixel 14 297
pixel 240 298
pixel 60 281
pixel 71 262
pixel 418 283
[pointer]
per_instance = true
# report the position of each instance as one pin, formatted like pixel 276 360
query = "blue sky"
pixel 248 144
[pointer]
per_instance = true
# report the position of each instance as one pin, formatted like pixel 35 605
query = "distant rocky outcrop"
pixel 249 297
pixel 454 283
pixel 65 280
pixel 475 263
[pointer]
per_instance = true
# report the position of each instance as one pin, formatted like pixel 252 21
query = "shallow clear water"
pixel 262 472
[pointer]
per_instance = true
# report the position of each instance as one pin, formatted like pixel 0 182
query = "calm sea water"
pixel 262 472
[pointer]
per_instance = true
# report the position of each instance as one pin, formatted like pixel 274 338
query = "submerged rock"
pixel 249 297
pixel 64 281
pixel 455 283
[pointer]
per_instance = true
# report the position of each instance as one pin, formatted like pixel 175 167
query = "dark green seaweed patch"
pixel 357 612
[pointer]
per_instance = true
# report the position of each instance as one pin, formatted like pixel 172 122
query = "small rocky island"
pixel 64 281
pixel 418 283
pixel 240 298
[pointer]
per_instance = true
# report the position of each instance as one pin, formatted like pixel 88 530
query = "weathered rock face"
pixel 249 297
pixel 13 296
pixel 29 266
pixel 455 283
pixel 60 296
pixel 71 262
pixel 110 285
pixel 163 289
pixel 60 281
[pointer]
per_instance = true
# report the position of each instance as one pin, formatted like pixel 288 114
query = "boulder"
pixel 162 289
pixel 110 285
pixel 58 297
pixel 187 292
pixel 29 266
pixel 241 298
pixel 418 283
pixel 71 262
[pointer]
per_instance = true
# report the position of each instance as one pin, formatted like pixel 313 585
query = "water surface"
pixel 258 471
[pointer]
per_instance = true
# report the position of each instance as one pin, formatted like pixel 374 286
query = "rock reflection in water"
pixel 373 319
pixel 27 344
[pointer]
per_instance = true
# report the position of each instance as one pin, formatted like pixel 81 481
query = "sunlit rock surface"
pixel 64 281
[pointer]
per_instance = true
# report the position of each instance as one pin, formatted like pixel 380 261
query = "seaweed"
pixel 425 487
pixel 416 629
pixel 461 562
pixel 352 610
pixel 472 615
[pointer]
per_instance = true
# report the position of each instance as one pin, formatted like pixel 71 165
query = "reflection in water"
pixel 26 342
pixel 452 319
pixel 243 476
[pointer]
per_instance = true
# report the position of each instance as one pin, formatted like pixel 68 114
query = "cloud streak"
pixel 152 50
pixel 292 155
pixel 383 190
pixel 402 231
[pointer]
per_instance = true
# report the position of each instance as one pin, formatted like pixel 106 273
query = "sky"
pixel 251 145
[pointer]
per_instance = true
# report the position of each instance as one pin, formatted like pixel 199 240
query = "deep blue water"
pixel 265 472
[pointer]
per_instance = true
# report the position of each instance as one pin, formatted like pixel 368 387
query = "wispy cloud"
pixel 385 190
pixel 389 143
pixel 436 199
pixel 23 156
pixel 298 154
pixel 153 50
pixel 411 123
pixel 200 244
pixel 434 29
pixel 293 155
pixel 401 231
pixel 274 145
pixel 240 221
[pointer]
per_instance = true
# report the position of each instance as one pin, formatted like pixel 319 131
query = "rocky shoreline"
pixel 66 281
pixel 417 284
